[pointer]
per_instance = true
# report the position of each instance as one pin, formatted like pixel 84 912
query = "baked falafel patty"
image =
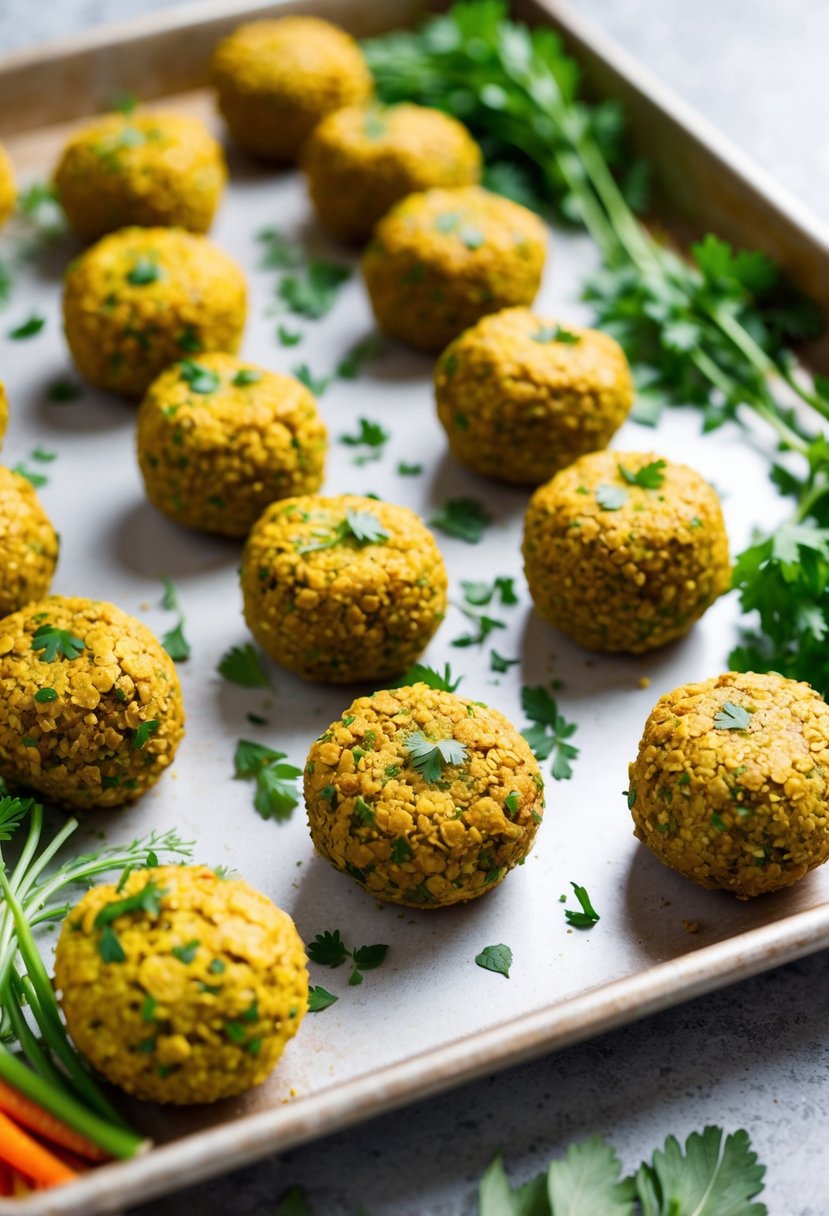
pixel 190 996
pixel 342 589
pixel 219 439
pixel 442 259
pixel 90 703
pixel 158 169
pixel 276 79
pixel 28 544
pixel 521 396
pixel 363 159
pixel 624 551
pixel 413 834
pixel 143 298
pixel 730 784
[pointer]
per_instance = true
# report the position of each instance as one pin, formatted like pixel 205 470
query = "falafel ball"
pixel 276 79
pixel 158 169
pixel 8 190
pixel 424 798
pixel 219 439
pixel 442 259
pixel 90 703
pixel 624 551
pixel 342 589
pixel 730 784
pixel 4 413
pixel 190 996
pixel 142 298
pixel 521 397
pixel 28 544
pixel 363 159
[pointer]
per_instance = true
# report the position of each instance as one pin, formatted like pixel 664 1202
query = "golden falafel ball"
pixel 363 159
pixel 191 996
pixel 8 190
pixel 730 784
pixel 342 589
pixel 144 297
pixel 520 397
pixel 441 260
pixel 410 824
pixel 28 544
pixel 158 169
pixel 4 413
pixel 219 439
pixel 624 551
pixel 90 703
pixel 276 79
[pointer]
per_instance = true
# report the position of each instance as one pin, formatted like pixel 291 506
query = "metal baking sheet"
pixel 429 1018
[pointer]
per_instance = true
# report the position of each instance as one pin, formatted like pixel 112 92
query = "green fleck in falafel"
pixel 276 79
pixel 342 589
pixel 424 798
pixel 441 260
pixel 624 551
pixel 90 703
pixel 8 190
pixel 521 396
pixel 363 159
pixel 219 439
pixel 180 986
pixel 730 784
pixel 158 169
pixel 28 544
pixel 143 298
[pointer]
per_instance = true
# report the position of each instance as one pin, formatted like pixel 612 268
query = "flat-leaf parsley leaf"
pixel 428 756
pixel 496 958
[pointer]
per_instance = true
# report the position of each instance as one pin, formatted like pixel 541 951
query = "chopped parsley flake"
pixel 550 731
pixel 370 435
pixel 362 352
pixel 320 998
pixel 329 950
pixel 64 390
pixel 54 642
pixel 499 664
pixel 360 526
pixel 556 333
pixel 144 272
pixel 200 379
pixel 588 916
pixel 314 292
pixel 464 518
pixel 278 252
pixel 27 329
pixel 428 756
pixel 649 477
pixel 186 953
pixel 496 958
pixel 142 734
pixel 732 717
pixel 315 384
pixel 288 337
pixel 44 696
pixel 243 665
pixel 481 594
pixel 246 376
pixel 276 794
pixel 409 470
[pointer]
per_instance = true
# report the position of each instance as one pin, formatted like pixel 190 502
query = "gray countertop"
pixel 753 1056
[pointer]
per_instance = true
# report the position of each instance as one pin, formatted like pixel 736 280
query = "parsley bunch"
pixel 711 330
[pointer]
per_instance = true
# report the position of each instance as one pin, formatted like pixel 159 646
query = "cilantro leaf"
pixel 732 717
pixel 588 916
pixel 550 732
pixel 243 665
pixel 148 900
pixel 480 594
pixel 314 292
pixel 649 477
pixel 486 625
pixel 175 643
pixel 143 732
pixel 711 1178
pixel 109 946
pixel 370 435
pixel 276 794
pixel 611 498
pixel 419 674
pixel 360 526
pixel 320 998
pixel 198 378
pixel 587 1181
pixel 328 949
pixel 464 518
pixel 496 958
pixel 54 642
pixel 428 757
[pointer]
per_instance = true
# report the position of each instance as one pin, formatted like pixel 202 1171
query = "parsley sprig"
pixel 276 793
pixel 550 731
pixel 174 641
pixel 56 643
pixel 360 526
pixel 429 756
pixel 329 950
pixel 445 681
pixel 243 665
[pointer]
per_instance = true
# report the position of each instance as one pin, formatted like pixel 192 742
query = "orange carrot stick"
pixel 27 1113
pixel 28 1157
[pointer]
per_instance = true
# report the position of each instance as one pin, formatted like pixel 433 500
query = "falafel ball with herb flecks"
pixel 28 544
pixel 521 396
pixel 143 298
pixel 90 703
pixel 624 551
pixel 730 784
pixel 363 159
pixel 441 260
pixel 342 589
pixel 181 986
pixel 156 170
pixel 219 439
pixel 424 798
pixel 276 79
pixel 8 190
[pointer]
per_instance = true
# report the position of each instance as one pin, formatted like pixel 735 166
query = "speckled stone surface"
pixel 753 1056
